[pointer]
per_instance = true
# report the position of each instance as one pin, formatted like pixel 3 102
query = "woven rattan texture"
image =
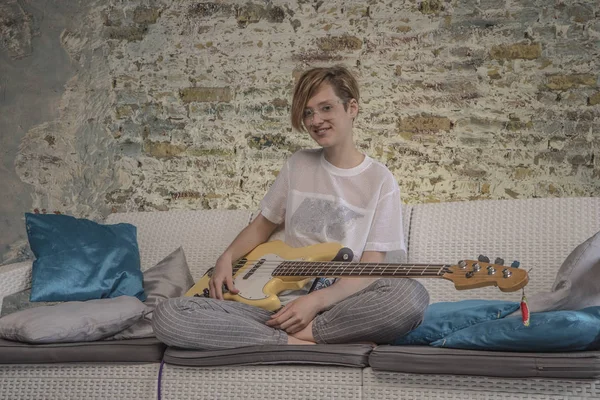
pixel 380 385
pixel 540 233
pixel 261 382
pixel 78 381
pixel 204 234
pixel 14 278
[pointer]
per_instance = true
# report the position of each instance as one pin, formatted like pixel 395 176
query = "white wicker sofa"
pixel 540 233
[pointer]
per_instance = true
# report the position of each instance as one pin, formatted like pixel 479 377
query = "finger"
pixel 281 315
pixel 218 289
pixel 278 313
pixel 273 323
pixel 230 285
pixel 294 328
pixel 289 323
pixel 211 289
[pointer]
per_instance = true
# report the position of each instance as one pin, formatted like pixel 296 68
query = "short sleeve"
pixel 273 205
pixel 387 232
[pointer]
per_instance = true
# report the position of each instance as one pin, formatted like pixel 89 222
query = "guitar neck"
pixel 338 269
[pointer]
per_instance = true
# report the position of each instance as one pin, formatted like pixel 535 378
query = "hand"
pixel 296 315
pixel 222 275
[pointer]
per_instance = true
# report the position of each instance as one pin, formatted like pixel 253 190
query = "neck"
pixel 344 155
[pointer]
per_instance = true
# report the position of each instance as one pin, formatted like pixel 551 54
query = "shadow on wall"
pixel 34 68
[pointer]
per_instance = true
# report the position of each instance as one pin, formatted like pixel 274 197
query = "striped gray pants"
pixel 381 312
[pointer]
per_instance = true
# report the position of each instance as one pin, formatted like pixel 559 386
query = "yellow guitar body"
pixel 274 251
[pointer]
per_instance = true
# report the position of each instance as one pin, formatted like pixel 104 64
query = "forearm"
pixel 251 236
pixel 343 288
pixel 346 287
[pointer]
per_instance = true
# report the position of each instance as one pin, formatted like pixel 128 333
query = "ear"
pixel 353 107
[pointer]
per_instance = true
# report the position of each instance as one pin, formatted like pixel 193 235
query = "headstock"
pixel 471 274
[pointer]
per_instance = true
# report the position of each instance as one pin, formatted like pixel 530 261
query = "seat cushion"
pixel 430 360
pixel 137 350
pixel 347 355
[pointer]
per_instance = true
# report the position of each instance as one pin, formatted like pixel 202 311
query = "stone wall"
pixel 185 104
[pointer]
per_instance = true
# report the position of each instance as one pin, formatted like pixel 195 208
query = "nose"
pixel 316 119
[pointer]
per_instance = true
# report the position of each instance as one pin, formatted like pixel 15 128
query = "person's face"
pixel 326 119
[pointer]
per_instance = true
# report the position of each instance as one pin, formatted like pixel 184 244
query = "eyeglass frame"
pixel 310 118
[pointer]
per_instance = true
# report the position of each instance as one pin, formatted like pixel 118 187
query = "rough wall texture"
pixel 184 104
pixel 34 68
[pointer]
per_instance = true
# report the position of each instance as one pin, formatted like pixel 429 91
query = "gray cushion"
pixel 576 285
pixel 20 301
pixel 347 355
pixel 169 278
pixel 431 360
pixel 138 350
pixel 72 321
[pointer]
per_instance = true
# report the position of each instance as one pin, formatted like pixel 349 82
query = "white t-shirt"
pixel 358 207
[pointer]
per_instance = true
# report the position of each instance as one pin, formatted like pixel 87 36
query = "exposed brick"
pixel 146 15
pixel 580 13
pixel 162 149
pixel 494 74
pixel 337 43
pixel 431 6
pixel 206 94
pixel 424 124
pixel 262 142
pixel 250 13
pixel 516 51
pixel 208 9
pixel 594 99
pixel 124 111
pixel 275 14
pixel 564 82
pixel 129 33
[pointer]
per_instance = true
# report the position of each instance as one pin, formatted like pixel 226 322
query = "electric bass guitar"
pixel 274 267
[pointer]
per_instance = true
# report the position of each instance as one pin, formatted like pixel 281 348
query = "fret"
pixel 441 269
pixel 337 268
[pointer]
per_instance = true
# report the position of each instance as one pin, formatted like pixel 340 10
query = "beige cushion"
pixel 73 321
pixel 169 278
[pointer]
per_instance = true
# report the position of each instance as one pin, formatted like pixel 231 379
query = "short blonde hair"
pixel 341 80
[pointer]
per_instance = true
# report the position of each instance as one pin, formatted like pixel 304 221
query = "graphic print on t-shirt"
pixel 313 217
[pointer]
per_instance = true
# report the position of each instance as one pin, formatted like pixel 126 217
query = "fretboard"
pixel 338 268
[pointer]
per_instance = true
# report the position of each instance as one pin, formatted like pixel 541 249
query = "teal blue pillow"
pixel 441 319
pixel 552 331
pixel 79 259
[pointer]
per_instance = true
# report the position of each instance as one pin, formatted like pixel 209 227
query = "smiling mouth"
pixel 320 132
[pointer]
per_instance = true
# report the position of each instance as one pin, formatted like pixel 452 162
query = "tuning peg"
pixel 483 258
pixel 499 261
pixel 515 264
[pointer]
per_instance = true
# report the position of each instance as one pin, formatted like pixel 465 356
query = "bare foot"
pixel 293 340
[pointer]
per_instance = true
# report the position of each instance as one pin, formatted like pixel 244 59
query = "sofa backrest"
pixel 540 233
pixel 203 234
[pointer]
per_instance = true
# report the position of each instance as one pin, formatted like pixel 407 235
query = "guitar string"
pixel 367 269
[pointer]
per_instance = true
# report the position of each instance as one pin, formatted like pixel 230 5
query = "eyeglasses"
pixel 325 111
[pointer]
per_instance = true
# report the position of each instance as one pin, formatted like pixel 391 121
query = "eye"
pixel 326 108
pixel 307 113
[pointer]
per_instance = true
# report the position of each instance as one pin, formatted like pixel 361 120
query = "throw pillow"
pixel 576 285
pixel 169 278
pixel 552 331
pixel 442 319
pixel 72 321
pixel 78 259
pixel 20 301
